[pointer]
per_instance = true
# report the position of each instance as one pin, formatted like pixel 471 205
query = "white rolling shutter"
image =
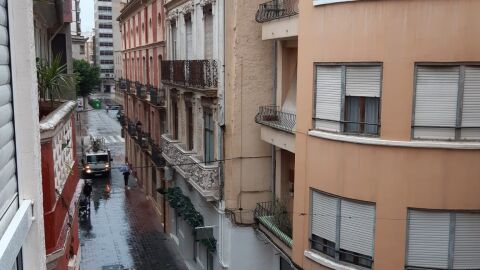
pixel 363 81
pixel 428 239
pixel 8 180
pixel 467 241
pixel 324 216
pixel 357 225
pixel 471 104
pixel 328 97
pixel 208 36
pixel 436 102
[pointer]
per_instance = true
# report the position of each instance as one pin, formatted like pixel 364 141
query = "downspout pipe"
pixel 274 102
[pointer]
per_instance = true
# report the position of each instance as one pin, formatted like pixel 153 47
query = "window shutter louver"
pixel 324 216
pixel 363 81
pixel 467 241
pixel 436 102
pixel 328 97
pixel 471 104
pixel 8 180
pixel 357 227
pixel 428 239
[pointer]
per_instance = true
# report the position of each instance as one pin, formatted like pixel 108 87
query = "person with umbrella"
pixel 126 174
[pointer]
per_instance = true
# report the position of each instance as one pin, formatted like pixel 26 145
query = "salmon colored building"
pixel 143 42
pixel 61 187
pixel 387 135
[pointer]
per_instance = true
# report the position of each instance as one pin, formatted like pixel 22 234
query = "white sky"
pixel 86 15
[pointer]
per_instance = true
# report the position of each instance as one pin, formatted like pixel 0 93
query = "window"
pixel 189 35
pixel 189 113
pixel 209 136
pixel 443 240
pixel 102 8
pixel 104 17
pixel 106 52
pixel 208 20
pixel 106 62
pixel 343 229
pixel 82 49
pixel 209 260
pixel 175 118
pixel 347 98
pixel 174 41
pixel 106 44
pixel 447 102
pixel 106 35
pixel 163 123
pixel 105 26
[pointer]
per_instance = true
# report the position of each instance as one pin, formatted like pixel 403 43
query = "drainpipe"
pixel 274 102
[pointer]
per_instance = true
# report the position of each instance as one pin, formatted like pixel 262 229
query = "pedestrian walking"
pixel 126 175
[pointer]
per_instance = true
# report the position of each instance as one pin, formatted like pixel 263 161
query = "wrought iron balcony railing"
pixel 132 129
pixel 122 84
pixel 273 117
pixel 157 97
pixel 275 217
pixel 141 90
pixel 128 86
pixel 157 157
pixel 276 9
pixel 193 73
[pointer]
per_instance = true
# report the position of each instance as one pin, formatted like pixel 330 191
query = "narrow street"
pixel 122 231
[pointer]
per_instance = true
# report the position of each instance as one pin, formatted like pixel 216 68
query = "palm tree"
pixel 52 78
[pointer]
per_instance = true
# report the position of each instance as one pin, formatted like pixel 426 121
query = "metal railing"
pixel 157 157
pixel 273 117
pixel 141 90
pixel 275 217
pixel 194 73
pixel 157 97
pixel 276 9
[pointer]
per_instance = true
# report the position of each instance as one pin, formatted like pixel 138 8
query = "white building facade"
pixel 22 243
pixel 104 19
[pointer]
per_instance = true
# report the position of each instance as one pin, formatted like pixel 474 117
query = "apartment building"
pixel 277 118
pixel 143 41
pixel 22 242
pixel 104 38
pixel 78 41
pixel 386 137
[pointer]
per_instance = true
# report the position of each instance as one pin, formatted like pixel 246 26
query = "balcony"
pixel 157 157
pixel 157 97
pixel 203 177
pixel 141 90
pixel 273 219
pixel 201 74
pixel 279 19
pixel 278 127
pixel 273 117
pixel 276 9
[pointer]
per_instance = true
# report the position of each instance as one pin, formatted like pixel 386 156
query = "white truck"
pixel 97 158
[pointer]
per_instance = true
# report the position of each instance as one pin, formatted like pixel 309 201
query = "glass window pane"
pixel 371 115
pixel 352 114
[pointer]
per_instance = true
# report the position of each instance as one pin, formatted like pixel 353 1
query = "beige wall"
pixel 249 82
pixel 398 34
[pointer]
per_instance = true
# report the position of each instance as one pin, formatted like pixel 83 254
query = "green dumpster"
pixel 95 103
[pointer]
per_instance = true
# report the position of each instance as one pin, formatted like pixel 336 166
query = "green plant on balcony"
pixel 53 79
pixel 281 217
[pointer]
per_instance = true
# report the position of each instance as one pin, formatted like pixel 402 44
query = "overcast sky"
pixel 86 15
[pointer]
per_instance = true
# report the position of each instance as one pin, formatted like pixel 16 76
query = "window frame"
pixel 337 250
pixel 343 66
pixel 460 95
pixel 209 131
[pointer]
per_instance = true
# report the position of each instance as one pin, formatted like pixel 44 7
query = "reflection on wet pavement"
pixel 122 230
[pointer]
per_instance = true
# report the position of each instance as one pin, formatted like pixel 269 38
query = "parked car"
pixel 115 107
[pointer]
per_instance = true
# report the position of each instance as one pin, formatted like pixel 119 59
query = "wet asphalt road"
pixel 123 230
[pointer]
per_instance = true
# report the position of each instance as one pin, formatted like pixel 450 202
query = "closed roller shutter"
pixel 324 216
pixel 436 102
pixel 208 35
pixel 471 104
pixel 8 180
pixel 428 239
pixel 363 81
pixel 189 33
pixel 467 241
pixel 357 227
pixel 328 97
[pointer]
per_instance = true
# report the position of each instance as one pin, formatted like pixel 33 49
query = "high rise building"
pixel 104 38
